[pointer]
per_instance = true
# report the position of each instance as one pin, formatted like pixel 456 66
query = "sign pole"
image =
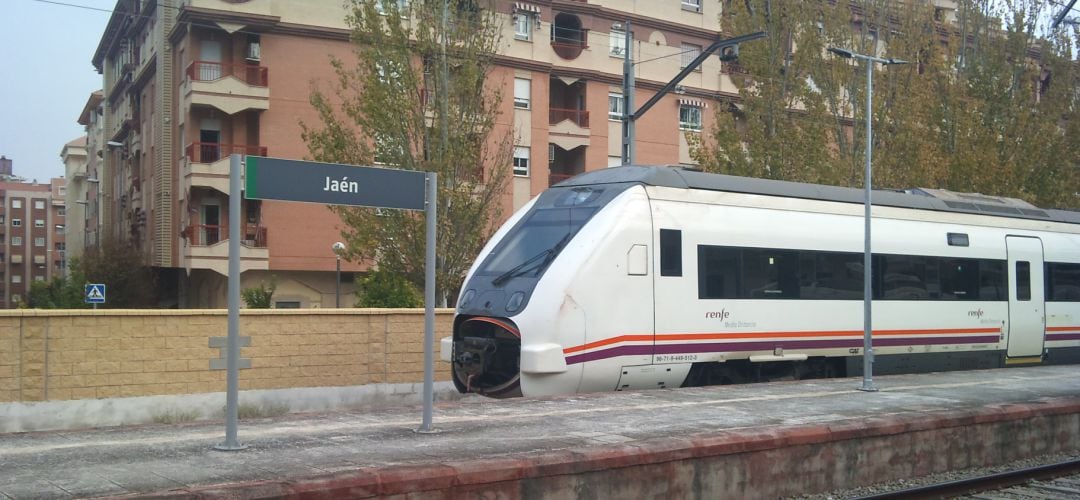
pixel 232 384
pixel 431 211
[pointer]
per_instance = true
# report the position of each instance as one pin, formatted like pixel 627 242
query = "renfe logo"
pixel 721 314
pixel 978 313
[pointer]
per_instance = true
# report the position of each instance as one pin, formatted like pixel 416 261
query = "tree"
pixel 260 297
pixel 61 292
pixel 984 105
pixel 419 98
pixel 122 267
pixel 380 288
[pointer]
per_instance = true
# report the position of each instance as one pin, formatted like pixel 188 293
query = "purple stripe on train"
pixel 638 350
pixel 1062 336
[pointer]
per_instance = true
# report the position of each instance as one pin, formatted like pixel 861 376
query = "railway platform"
pixel 760 440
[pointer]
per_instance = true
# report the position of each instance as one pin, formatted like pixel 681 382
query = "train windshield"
pixel 536 242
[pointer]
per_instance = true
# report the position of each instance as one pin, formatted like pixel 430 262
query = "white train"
pixel 650 277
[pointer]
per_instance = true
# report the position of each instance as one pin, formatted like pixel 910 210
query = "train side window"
pixel 959 279
pixel 670 252
pixel 1023 280
pixel 992 280
pixel 718 271
pixel 838 276
pixel 1063 282
pixel 769 274
pixel 903 277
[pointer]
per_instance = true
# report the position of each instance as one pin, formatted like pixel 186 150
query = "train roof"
pixel 919 198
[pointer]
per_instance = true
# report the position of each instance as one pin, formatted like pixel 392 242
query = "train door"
pixel 1027 309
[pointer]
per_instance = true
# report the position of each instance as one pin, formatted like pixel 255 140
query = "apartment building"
pixel 189 82
pixel 32 235
pixel 83 179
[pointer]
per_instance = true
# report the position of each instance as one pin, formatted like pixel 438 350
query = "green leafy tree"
pixel 122 267
pixel 260 297
pixel 380 288
pixel 419 97
pixel 61 292
pixel 984 105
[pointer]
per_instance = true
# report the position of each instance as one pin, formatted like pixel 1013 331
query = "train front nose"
pixel 486 357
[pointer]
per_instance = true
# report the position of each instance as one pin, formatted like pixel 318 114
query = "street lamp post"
pixel 868 346
pixel 337 248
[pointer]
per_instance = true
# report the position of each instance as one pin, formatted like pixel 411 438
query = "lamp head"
pixel 845 53
pixel 896 61
pixel 338 247
pixel 114 144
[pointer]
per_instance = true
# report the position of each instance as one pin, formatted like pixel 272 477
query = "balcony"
pixel 206 164
pixel 206 71
pixel 207 247
pixel 231 88
pixel 568 37
pixel 580 117
pixel 202 235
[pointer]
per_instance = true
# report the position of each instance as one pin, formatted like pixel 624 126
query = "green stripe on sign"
pixel 251 169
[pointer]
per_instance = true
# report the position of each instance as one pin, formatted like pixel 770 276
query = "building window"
pixel 689 117
pixel 523 26
pixel 39 277
pixel 617 43
pixel 39 204
pixel 59 229
pixel 16 203
pixel 616 106
pixel 689 53
pixel 16 278
pixel 39 223
pixel 39 242
pixel 17 258
pixel 62 212
pixel 16 298
pixel 16 222
pixel 521 161
pixel 60 247
pixel 691 5
pixel 381 9
pixel 522 93
pixel 16 241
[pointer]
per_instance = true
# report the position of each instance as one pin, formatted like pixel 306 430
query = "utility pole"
pixel 628 97
pixel 729 51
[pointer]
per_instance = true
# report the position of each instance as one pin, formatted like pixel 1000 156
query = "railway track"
pixel 1059 480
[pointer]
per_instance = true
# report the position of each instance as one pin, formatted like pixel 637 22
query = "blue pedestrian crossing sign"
pixel 95 293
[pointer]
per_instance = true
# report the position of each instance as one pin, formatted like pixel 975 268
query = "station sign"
pixel 332 183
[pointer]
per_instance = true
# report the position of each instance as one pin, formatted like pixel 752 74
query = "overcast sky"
pixel 45 79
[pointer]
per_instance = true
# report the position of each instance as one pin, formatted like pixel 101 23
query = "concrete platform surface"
pixel 378 449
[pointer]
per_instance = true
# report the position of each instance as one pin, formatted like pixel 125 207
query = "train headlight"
pixel 465 299
pixel 515 301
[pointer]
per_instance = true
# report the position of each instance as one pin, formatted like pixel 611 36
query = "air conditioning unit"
pixel 254 51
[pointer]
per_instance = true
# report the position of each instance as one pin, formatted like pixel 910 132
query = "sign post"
pixel 328 184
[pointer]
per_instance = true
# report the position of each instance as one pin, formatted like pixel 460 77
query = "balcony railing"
pixel 554 179
pixel 209 152
pixel 204 235
pixel 209 71
pixel 569 49
pixel 578 116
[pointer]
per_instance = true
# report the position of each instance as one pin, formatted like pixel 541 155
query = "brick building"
pixel 186 83
pixel 32 235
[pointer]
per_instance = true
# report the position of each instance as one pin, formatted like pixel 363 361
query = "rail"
pixel 951 489
pixel 209 152
pixel 203 235
pixel 578 116
pixel 210 71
